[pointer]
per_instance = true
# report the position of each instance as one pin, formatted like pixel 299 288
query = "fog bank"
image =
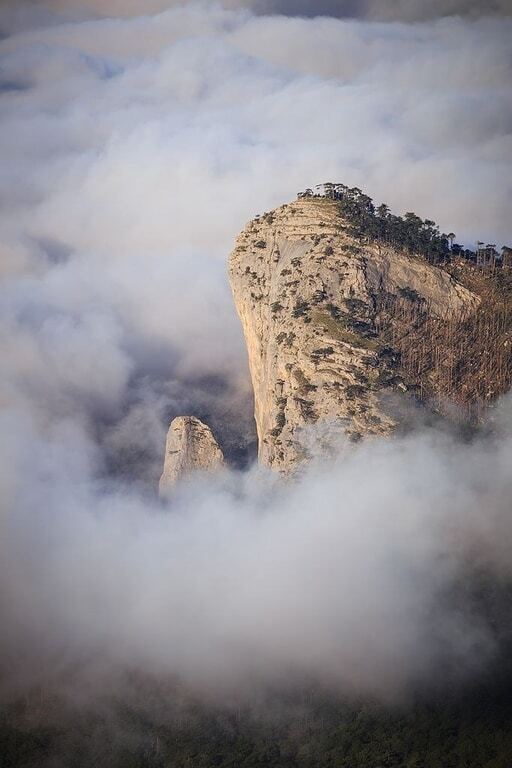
pixel 136 139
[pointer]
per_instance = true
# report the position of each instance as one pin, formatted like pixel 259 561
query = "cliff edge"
pixel 319 308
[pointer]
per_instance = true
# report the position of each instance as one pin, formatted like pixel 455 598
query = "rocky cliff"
pixel 318 308
pixel 190 447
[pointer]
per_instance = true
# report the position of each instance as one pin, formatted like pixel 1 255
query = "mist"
pixel 243 581
pixel 136 140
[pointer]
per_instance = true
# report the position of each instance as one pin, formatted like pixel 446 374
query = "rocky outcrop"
pixel 309 296
pixel 190 447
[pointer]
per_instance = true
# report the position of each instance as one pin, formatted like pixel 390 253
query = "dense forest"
pixel 473 730
pixel 410 232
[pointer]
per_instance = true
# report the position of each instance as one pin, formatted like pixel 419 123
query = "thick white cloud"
pixel 241 583
pixel 133 148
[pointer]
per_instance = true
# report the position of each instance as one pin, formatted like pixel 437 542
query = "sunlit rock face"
pixel 190 447
pixel 309 296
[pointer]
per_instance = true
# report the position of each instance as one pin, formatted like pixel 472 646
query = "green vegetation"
pixel 280 420
pixel 410 294
pixel 285 338
pixel 276 307
pixel 339 330
pixel 304 384
pixel 354 390
pixel 470 730
pixel 301 308
pixel 306 408
pixel 322 352
pixel 408 232
pixel 355 306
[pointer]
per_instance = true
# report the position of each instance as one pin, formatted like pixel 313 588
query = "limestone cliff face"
pixel 190 447
pixel 307 294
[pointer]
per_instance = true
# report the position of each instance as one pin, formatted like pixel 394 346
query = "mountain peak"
pixel 325 309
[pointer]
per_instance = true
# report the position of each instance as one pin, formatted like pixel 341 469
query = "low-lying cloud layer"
pixel 47 11
pixel 241 582
pixel 136 140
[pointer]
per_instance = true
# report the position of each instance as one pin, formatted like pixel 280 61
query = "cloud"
pixel 134 147
pixel 385 10
pixel 243 582
pixel 39 12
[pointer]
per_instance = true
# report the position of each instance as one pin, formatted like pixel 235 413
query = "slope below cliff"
pixel 320 310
